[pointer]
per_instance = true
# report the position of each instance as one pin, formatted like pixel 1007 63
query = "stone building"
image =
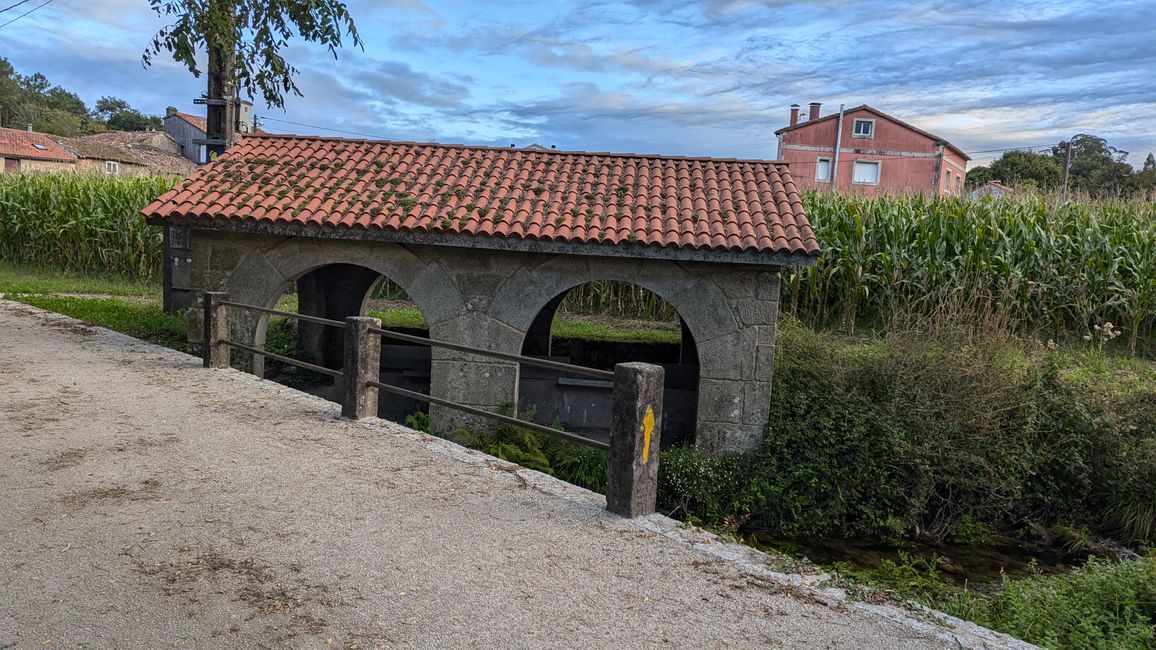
pixel 486 241
pixel 29 151
pixel 128 153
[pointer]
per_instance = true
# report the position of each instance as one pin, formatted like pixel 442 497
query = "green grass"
pixel 407 317
pixel 27 279
pixel 573 328
pixel 1099 605
pixel 567 328
pixel 144 321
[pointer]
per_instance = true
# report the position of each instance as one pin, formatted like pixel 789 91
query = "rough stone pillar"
pixel 472 379
pixel 216 323
pixel 632 471
pixel 362 365
pixel 734 399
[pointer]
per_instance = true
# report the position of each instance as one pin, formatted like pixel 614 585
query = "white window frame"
pixel 202 154
pixel 947 185
pixel 111 167
pixel 826 178
pixel 855 128
pixel 878 171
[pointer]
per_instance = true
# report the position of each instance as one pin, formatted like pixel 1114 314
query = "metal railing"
pixel 632 470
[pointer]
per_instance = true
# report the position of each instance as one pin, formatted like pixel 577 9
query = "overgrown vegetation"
pixel 1099 605
pixel 84 223
pixel 922 432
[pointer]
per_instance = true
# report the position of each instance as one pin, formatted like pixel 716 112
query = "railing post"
pixel 213 352
pixel 362 365
pixel 635 434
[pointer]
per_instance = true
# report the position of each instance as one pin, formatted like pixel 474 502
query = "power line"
pixel 14 6
pixel 323 128
pixel 25 13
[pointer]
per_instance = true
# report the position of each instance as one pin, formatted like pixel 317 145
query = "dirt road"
pixel 146 502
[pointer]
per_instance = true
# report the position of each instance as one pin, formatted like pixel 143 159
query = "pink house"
pixel 863 150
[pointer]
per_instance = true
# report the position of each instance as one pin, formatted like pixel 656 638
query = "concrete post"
pixel 214 353
pixel 362 364
pixel 632 473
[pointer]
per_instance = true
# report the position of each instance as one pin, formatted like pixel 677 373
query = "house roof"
pixel 497 193
pixel 30 145
pixel 876 111
pixel 196 120
pixel 132 148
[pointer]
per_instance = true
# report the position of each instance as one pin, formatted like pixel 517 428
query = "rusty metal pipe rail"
pixel 473 410
pixel 286 314
pixel 529 361
pixel 289 360
pixel 636 412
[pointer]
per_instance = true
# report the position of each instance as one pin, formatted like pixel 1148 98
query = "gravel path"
pixel 146 502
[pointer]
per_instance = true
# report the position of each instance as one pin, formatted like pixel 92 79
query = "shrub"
pixel 934 433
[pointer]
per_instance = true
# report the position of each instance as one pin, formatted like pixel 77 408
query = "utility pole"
pixel 220 100
pixel 1068 161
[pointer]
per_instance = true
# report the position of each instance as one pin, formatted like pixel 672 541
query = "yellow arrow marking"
pixel 647 431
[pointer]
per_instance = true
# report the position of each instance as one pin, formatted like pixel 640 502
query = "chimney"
pixel 814 106
pixel 30 128
pixel 170 111
pixel 794 114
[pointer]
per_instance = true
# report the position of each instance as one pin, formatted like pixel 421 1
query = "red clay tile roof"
pixel 15 143
pixel 576 197
pixel 876 111
pixel 195 120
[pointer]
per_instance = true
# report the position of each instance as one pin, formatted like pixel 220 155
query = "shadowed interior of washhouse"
pixel 335 292
pixel 599 324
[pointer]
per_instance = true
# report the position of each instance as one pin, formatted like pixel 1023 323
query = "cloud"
pixel 672 76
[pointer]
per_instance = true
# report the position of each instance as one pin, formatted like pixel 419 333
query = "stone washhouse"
pixel 487 242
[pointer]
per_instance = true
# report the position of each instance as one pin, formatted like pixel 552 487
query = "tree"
pixel 1096 168
pixel 1149 163
pixel 977 177
pixel 1019 168
pixel 119 116
pixel 252 33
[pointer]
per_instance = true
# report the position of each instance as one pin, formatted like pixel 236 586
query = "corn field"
pixel 1048 266
pixel 88 223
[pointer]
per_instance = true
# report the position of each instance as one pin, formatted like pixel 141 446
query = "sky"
pixel 710 78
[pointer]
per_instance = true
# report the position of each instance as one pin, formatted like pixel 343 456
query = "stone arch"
pixel 702 304
pixel 263 276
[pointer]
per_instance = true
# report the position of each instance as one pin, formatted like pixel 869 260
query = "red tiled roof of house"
pixel 575 197
pixel 29 145
pixel 196 120
pixel 876 111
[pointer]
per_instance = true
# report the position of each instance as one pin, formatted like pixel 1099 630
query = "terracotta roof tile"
pixel 30 145
pixel 576 197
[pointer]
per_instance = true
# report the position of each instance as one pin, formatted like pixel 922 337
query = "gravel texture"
pixel 148 502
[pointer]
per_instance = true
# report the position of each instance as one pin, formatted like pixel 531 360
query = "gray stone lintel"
pixel 636 251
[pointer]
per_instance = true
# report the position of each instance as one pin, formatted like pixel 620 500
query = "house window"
pixel 202 154
pixel 863 129
pixel 823 169
pixel 866 172
pixel 947 185
pixel 40 146
pixel 111 167
pixel 958 183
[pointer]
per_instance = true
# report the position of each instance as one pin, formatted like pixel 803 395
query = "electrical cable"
pixel 25 13
pixel 14 6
